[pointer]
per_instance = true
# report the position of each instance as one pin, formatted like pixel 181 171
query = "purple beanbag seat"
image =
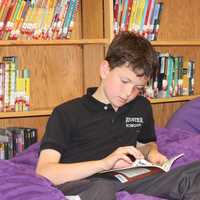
pixel 187 117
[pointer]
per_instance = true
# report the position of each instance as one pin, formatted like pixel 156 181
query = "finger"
pixel 127 159
pixel 132 151
pixel 136 153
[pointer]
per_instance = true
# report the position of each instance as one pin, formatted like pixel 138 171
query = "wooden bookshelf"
pixel 32 113
pixel 173 99
pixel 52 42
pixel 176 43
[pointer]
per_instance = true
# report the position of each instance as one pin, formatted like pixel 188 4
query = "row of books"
pixel 14 140
pixel 37 19
pixel 140 16
pixel 14 86
pixel 173 76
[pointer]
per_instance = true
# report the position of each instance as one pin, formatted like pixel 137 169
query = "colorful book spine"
pixel 2 77
pixel 130 2
pixel 132 16
pixel 72 20
pixel 170 69
pixel 12 86
pixel 156 23
pixel 115 11
pixel 61 18
pixel 26 76
pixel 124 16
pixel 72 7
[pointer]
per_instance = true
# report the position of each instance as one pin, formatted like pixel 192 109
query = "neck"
pixel 101 96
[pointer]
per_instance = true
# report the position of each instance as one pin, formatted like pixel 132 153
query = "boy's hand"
pixel 119 158
pixel 156 157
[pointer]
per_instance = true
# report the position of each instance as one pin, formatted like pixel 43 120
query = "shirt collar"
pixel 95 105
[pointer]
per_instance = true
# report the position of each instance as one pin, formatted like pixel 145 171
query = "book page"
pixel 167 165
pixel 144 163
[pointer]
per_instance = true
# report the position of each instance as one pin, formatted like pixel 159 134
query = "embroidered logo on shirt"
pixel 133 122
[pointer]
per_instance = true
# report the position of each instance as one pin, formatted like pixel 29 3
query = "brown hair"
pixel 133 50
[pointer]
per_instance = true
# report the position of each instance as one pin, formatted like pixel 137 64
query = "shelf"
pixel 51 42
pixel 90 41
pixel 34 113
pixel 47 112
pixel 176 43
pixel 173 99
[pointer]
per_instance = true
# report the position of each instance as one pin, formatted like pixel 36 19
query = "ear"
pixel 104 69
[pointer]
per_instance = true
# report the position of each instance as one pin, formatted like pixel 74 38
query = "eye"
pixel 140 89
pixel 124 80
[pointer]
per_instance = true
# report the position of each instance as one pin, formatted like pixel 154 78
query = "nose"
pixel 129 90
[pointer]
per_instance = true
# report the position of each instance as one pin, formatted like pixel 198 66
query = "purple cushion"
pixel 18 178
pixel 187 117
pixel 28 156
pixel 172 142
pixel 126 196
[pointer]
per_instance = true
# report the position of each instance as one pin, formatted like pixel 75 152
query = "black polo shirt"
pixel 85 129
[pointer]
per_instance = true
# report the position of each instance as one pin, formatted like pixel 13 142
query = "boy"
pixel 100 131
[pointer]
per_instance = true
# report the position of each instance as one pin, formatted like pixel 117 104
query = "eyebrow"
pixel 128 79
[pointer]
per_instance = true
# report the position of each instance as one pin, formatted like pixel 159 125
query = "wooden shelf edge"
pixel 52 42
pixel 90 41
pixel 173 99
pixel 176 43
pixel 33 113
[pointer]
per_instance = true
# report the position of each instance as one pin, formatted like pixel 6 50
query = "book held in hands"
pixel 139 169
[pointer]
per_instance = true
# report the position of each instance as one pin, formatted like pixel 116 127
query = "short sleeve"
pixel 148 130
pixel 57 133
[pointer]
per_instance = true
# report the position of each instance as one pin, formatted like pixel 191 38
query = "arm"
pixel 151 152
pixel 147 138
pixel 48 165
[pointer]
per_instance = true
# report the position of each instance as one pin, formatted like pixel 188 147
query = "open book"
pixel 140 169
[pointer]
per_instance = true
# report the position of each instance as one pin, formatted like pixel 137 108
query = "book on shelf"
pixel 156 21
pixel 15 86
pixel 139 169
pixel 172 76
pixel 142 17
pixel 29 20
pixel 14 140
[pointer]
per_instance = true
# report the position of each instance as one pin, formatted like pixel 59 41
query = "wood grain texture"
pixel 180 20
pixel 163 112
pixel 56 72
pixel 108 20
pixel 93 56
pixel 92 19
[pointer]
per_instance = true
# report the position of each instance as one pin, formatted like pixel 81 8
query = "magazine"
pixel 140 169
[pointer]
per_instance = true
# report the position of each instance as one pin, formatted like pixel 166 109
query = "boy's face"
pixel 121 85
